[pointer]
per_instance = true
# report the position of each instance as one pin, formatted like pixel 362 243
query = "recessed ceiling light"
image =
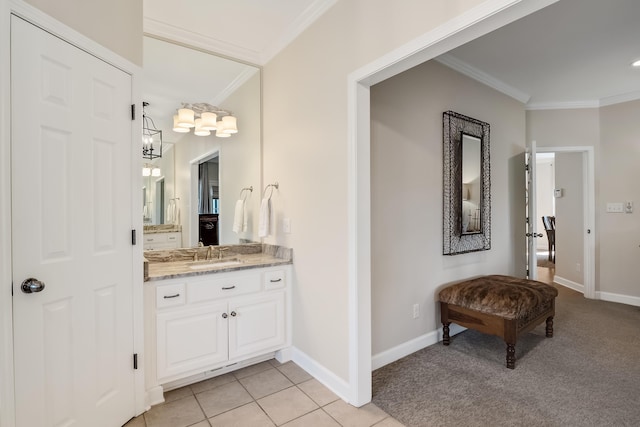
pixel 636 63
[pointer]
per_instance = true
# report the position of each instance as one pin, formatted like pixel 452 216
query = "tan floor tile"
pixel 389 422
pixel 318 392
pixel 212 383
pixel 287 405
pixel 177 394
pixel 317 418
pixel 204 423
pixel 250 415
pixel 223 398
pixel 265 383
pixel 294 372
pixel 136 422
pixel 350 416
pixel 252 370
pixel 179 413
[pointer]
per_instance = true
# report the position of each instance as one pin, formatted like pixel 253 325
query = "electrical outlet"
pixel 416 311
pixel 578 267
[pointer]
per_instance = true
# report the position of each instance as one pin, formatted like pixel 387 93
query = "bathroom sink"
pixel 214 263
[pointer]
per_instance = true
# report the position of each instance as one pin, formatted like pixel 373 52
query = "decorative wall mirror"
pixel 467 185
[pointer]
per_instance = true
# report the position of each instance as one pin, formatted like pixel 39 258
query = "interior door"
pixel 71 227
pixel 532 225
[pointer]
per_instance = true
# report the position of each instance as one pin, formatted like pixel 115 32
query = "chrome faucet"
pixel 220 250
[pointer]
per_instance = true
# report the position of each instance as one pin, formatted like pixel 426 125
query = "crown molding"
pixel 482 77
pixel 235 84
pixel 301 23
pixel 210 44
pixel 568 105
pixel 618 99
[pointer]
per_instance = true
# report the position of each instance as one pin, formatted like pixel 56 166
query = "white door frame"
pixel 589 212
pixel 487 16
pixel 42 20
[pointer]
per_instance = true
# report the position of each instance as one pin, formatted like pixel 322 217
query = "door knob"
pixel 32 285
pixel 533 235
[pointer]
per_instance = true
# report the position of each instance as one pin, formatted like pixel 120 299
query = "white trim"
pixel 51 25
pixel 222 47
pixel 619 298
pixel 398 352
pixel 568 283
pixel 486 17
pixel 482 77
pixel 327 378
pixel 618 99
pixel 588 211
pixel 240 79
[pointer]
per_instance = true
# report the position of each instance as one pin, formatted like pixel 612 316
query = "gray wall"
pixel 406 189
pixel 569 217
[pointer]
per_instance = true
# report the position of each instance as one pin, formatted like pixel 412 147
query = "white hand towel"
pixel 239 223
pixel 265 218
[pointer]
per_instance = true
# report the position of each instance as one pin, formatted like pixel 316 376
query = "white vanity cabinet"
pixel 155 241
pixel 201 323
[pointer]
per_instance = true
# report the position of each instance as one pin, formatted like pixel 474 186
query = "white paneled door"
pixel 71 222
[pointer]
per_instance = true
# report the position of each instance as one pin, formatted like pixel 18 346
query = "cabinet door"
pixel 257 324
pixel 191 339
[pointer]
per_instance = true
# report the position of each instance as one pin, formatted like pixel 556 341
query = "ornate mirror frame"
pixel 455 241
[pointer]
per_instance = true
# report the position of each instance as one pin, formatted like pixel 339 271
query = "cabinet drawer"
pixel 170 295
pixel 155 238
pixel 275 279
pixel 172 237
pixel 223 288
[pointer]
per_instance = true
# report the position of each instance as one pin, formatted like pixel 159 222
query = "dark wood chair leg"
pixel 511 356
pixel 549 329
pixel 445 333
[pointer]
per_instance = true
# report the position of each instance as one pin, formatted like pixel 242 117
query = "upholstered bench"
pixel 498 305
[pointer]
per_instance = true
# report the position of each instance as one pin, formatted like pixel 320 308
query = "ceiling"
pixel 574 53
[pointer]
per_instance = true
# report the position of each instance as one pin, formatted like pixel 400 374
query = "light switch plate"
pixel 615 207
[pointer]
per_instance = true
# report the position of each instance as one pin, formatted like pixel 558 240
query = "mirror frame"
pixel 454 126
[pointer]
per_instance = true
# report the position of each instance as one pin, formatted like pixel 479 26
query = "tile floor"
pixel 266 394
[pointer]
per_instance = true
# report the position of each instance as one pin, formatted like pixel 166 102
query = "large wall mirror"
pixel 197 182
pixel 467 185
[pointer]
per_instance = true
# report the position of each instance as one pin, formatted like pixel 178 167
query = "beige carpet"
pixel 543 260
pixel 586 375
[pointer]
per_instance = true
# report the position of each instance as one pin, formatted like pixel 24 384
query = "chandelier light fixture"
pixel 151 136
pixel 204 118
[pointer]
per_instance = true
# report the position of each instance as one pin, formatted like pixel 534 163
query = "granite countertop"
pixel 161 228
pixel 171 264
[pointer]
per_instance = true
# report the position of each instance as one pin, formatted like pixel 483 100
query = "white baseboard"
pixel 568 284
pixel 398 352
pixel 330 380
pixel 624 299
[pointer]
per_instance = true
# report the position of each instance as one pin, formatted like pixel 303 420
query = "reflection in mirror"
pixel 471 188
pixel 174 74
pixel 467 184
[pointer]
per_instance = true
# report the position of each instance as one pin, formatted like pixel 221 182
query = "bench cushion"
pixel 503 296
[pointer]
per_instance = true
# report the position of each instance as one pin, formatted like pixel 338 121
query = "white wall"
pixel 115 24
pixel 406 190
pixel 305 150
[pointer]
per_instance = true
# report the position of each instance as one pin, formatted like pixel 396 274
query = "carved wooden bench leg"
pixel 511 356
pixel 549 329
pixel 445 333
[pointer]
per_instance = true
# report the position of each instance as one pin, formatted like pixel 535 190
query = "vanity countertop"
pixel 179 266
pixel 162 228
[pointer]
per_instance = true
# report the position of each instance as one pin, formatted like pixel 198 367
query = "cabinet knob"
pixel 224 315
pixel 233 314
